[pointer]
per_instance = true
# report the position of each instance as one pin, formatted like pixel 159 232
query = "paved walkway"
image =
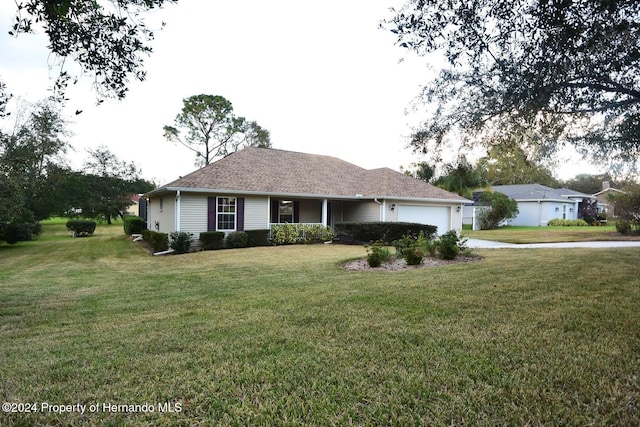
pixel 489 244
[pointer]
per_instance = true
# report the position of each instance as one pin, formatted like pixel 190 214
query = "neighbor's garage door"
pixel 432 215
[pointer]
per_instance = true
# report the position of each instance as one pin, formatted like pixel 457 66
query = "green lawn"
pixel 284 336
pixel 513 234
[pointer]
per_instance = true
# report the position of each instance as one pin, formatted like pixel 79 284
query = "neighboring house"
pixel 133 208
pixel 605 197
pixel 537 204
pixel 255 188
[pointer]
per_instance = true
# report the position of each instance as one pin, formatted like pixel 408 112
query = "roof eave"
pixel 165 190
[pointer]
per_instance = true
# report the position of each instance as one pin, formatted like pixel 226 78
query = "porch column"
pixel 324 212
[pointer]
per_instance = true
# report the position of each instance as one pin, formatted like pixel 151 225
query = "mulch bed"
pixel 401 265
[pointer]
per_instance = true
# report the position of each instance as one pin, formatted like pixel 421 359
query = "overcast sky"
pixel 320 76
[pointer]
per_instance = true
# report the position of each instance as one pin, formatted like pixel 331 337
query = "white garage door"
pixel 432 215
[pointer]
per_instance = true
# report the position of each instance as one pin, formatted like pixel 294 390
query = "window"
pixel 285 211
pixel 226 213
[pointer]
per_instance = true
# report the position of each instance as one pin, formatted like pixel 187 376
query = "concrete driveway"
pixel 489 244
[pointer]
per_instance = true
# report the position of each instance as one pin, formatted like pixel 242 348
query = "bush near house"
pixel 133 225
pixel 236 239
pixel 497 208
pixel 181 241
pixel 290 234
pixel 81 227
pixel 158 241
pixel 257 237
pixel 560 222
pixel 212 240
pixel 387 232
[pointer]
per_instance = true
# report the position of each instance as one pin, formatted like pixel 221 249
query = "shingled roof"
pixel 279 172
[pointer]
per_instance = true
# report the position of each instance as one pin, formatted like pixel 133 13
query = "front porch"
pixel 323 212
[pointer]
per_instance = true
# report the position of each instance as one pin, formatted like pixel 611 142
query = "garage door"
pixel 432 215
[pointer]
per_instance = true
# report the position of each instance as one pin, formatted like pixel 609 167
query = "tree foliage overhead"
pixel 107 39
pixel 566 68
pixel 208 126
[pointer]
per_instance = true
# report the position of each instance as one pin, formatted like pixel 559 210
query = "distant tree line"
pixel 36 183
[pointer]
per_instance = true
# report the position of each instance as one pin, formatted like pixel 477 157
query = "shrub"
pixel 284 234
pixel 14 233
pixel 560 222
pixel 257 237
pixel 377 253
pixel 413 255
pixel 159 242
pixel 627 206
pixel 497 208
pixel 411 248
pixel 212 240
pixel 133 225
pixel 236 239
pixel 387 232
pixel 181 241
pixel 623 226
pixel 448 245
pixel 315 233
pixel 81 227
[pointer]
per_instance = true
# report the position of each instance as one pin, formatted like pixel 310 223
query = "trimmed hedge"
pixel 81 227
pixel 133 225
pixel 386 232
pixel 257 237
pixel 236 239
pixel 159 242
pixel 212 240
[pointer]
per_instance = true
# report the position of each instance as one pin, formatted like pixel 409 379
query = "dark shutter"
pixel 296 212
pixel 275 206
pixel 329 214
pixel 240 214
pixel 211 214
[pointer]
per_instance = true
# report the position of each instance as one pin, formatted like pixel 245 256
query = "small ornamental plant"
pixel 181 241
pixel 377 254
pixel 413 255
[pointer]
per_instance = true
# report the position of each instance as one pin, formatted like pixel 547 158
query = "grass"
pixel 284 336
pixel 516 234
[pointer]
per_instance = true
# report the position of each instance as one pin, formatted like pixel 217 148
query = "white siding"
pixel 193 213
pixel 360 212
pixel 540 213
pixel 256 213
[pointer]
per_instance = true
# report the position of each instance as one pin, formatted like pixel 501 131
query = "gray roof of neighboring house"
pixel 538 192
pixel 277 172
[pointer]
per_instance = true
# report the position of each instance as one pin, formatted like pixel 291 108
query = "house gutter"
pixel 382 208
pixel 177 215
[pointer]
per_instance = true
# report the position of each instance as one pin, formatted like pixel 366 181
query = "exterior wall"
pixel 536 213
pixel 310 211
pixel 193 213
pixel 364 211
pixel 256 213
pixel 164 217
